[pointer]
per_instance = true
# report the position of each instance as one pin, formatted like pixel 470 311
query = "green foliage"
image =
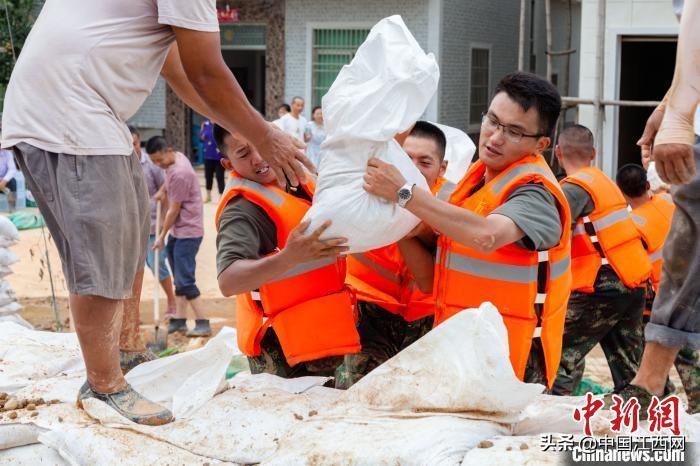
pixel 21 18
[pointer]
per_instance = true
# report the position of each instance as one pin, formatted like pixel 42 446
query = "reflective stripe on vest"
pixel 611 219
pixel 237 183
pixel 518 171
pixel 375 267
pixel 504 272
pixel 656 256
pixel 583 177
pixel 446 190
pixel 641 221
pixel 305 267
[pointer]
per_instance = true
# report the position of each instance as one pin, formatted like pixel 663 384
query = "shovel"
pixel 160 336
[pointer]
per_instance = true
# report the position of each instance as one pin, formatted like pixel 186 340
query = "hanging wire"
pixel 9 31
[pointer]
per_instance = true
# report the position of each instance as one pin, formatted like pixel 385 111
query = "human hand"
pixel 285 155
pixel 3 184
pixel 383 179
pixel 159 243
pixel 302 247
pixel 675 163
pixel 646 142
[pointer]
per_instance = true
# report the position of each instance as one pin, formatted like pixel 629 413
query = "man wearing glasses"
pixel 504 234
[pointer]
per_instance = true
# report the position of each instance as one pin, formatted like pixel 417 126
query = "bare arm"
pixel 243 275
pixel 420 262
pixel 223 100
pixel 484 234
pixel 168 222
pixel 175 75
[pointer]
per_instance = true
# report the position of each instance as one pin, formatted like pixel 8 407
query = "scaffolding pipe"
pixel 521 40
pixel 600 85
pixel 548 27
pixel 574 101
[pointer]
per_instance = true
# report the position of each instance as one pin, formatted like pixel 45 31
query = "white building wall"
pixel 623 17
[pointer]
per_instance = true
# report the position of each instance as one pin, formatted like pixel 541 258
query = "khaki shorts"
pixel 97 210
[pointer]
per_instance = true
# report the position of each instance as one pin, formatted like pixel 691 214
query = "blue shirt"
pixel 8 169
pixel 206 135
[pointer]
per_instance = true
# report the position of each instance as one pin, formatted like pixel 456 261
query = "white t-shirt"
pixel 292 126
pixel 87 66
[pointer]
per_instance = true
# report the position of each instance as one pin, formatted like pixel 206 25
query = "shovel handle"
pixel 156 270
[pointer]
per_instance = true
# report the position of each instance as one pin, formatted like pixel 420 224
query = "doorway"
pixel 646 72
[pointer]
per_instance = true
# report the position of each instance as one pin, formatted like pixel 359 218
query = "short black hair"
pixel 317 107
pixel 530 90
pixel 426 130
pixel 285 106
pixel 219 133
pixel 134 130
pixel 156 144
pixel 632 180
pixel 576 141
pixel 297 97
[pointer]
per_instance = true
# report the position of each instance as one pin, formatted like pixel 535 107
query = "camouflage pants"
pixel 688 366
pixel 612 319
pixel 272 361
pixel 382 335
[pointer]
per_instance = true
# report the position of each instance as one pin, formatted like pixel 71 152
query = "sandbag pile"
pixel 9 307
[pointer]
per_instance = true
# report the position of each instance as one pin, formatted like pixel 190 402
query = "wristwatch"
pixel 405 194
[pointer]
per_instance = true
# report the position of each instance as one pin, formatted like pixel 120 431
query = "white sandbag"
pixel 186 381
pixel 381 93
pixel 97 445
pixel 8 230
pixel 242 425
pixel 360 437
pixel 15 319
pixel 523 451
pixel 27 356
pixel 5 271
pixel 458 153
pixel 470 350
pixel 9 306
pixel 7 257
pixel 32 455
pixel 16 435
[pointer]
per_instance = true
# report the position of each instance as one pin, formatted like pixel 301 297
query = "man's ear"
pixel 543 144
pixel 226 163
pixel 443 168
pixel 593 154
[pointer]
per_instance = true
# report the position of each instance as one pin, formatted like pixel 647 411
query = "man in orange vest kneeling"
pixel 609 266
pixel 504 234
pixel 294 314
pixel 393 312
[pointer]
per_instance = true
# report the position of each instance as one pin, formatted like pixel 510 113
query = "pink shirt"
pixel 182 185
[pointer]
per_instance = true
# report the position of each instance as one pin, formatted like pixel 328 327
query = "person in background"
pixel 185 218
pixel 281 111
pixel 293 123
pixel 8 170
pixel 314 136
pixel 652 214
pixel 155 180
pixel 212 160
pixel 609 265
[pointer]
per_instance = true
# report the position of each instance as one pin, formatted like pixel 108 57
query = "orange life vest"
pixel 606 236
pixel 530 288
pixel 380 276
pixel 653 220
pixel 309 306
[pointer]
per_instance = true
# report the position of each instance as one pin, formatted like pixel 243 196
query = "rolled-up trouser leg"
pixel 675 320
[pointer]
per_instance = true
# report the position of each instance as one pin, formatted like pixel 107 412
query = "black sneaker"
pixel 129 360
pixel 130 404
pixel 177 325
pixel 201 329
pixel 628 391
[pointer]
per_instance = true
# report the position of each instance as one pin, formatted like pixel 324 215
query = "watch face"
pixel 404 194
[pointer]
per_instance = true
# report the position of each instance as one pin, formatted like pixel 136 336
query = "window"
pixel 331 50
pixel 479 87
